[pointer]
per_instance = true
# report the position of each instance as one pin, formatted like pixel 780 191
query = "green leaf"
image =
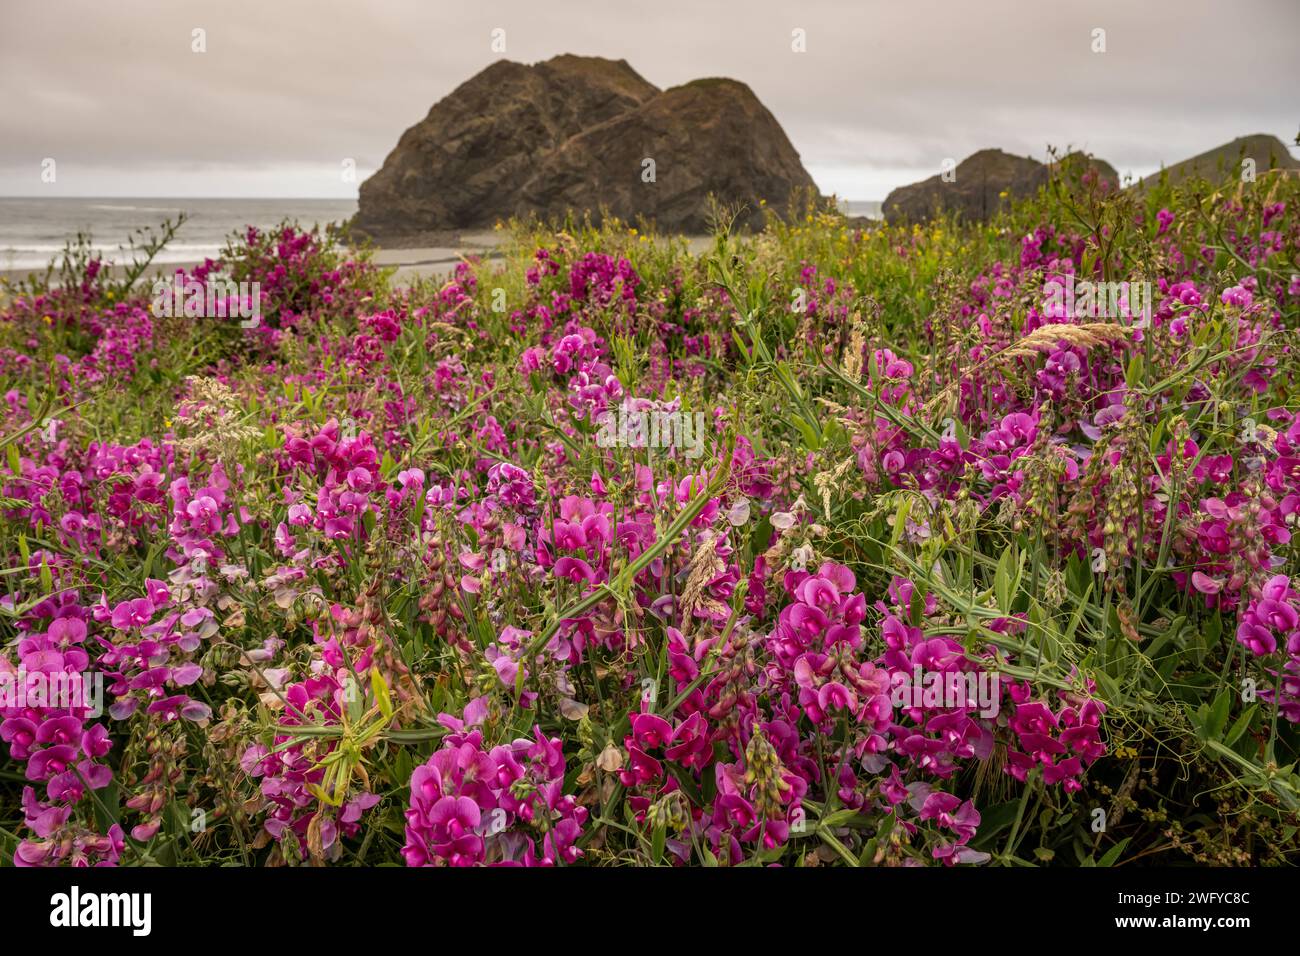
pixel 382 697
pixel 993 821
pixel 1239 727
pixel 900 520
pixel 1175 629
pixel 839 818
pixel 806 432
pixel 1134 374
pixel 1113 854
pixel 1218 714
pixel 687 783
pixel 1075 618
pixel 868 852
pixel 1002 580
pixel 1109 688
pixel 657 843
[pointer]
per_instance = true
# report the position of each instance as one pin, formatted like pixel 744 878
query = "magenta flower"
pixel 135 613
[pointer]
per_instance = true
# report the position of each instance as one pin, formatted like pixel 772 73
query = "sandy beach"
pixel 410 264
pixel 420 262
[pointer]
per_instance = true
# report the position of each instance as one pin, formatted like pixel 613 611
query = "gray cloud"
pixel 289 89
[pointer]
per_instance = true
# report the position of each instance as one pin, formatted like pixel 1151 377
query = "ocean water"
pixel 33 231
pixel 868 208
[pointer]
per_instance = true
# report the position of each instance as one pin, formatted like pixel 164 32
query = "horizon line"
pixel 276 198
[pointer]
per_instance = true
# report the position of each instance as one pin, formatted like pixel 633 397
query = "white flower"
pixel 738 514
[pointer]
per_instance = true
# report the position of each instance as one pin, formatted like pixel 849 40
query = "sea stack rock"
pixel 663 158
pixel 986 183
pixel 574 134
pixel 974 192
pixel 1225 162
pixel 460 167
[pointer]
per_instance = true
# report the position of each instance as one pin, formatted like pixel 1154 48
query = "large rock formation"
pixel 1225 162
pixel 708 136
pixel 989 180
pixel 985 183
pixel 573 134
pixel 973 191
pixel 460 166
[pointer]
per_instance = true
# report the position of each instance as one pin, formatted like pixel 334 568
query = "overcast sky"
pixel 886 90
